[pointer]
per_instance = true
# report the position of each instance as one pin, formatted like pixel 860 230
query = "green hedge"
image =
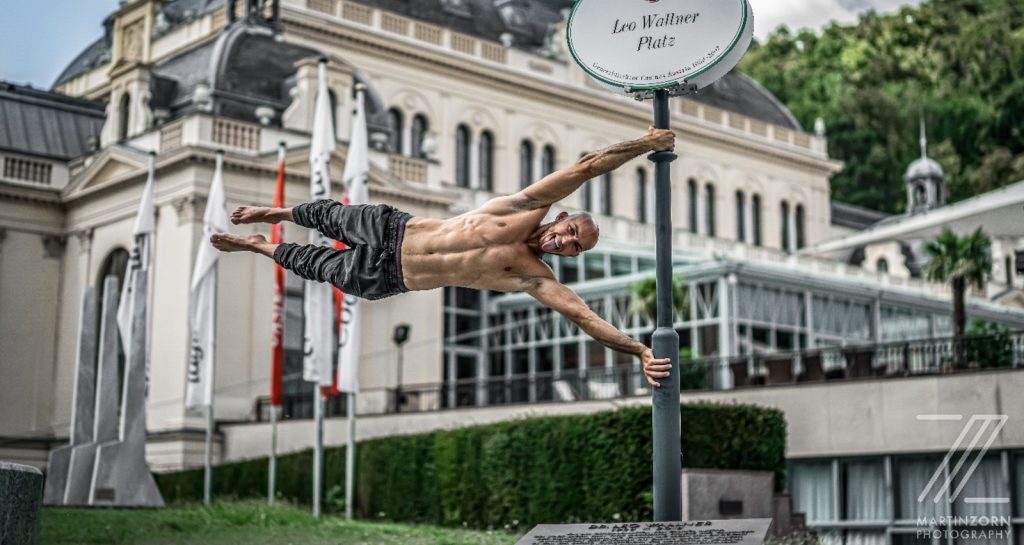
pixel 525 472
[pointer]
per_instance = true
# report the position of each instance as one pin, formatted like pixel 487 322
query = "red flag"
pixel 277 328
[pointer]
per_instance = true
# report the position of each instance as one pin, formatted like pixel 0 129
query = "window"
pixel 397 123
pixel 486 161
pixel 588 197
pixel 420 126
pixel 755 218
pixel 547 160
pixel 606 194
pixel 462 156
pixel 641 195
pixel 741 220
pixel 800 233
pixel 525 164
pixel 882 266
pixel 114 265
pixel 692 194
pixel 784 221
pixel 710 203
pixel 912 477
pixel 864 493
pixel 124 112
pixel 1008 264
pixel 812 490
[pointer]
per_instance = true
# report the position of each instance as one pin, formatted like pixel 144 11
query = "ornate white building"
pixel 468 99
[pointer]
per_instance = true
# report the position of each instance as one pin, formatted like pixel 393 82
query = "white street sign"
pixel 638 45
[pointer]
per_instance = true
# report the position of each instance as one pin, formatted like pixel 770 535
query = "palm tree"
pixel 960 261
pixel 645 297
pixel 693 375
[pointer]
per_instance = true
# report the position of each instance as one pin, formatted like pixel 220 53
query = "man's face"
pixel 569 235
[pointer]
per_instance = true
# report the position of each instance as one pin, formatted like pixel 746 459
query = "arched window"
pixel 800 233
pixel 784 221
pixel 525 164
pixel 124 112
pixel 741 216
pixel 462 156
pixel 420 126
pixel 882 266
pixel 692 195
pixel 397 122
pixel 547 160
pixel 641 195
pixel 755 218
pixel 606 194
pixel 116 265
pixel 710 202
pixel 486 161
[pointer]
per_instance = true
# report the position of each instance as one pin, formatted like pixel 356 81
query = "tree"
pixel 693 375
pixel 959 62
pixel 645 297
pixel 962 262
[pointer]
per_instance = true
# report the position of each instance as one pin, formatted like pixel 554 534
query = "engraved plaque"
pixel 694 532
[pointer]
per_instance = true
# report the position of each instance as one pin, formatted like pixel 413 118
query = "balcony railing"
pixel 823 365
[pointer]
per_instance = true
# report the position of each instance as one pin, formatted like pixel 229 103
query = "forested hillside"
pixel 959 63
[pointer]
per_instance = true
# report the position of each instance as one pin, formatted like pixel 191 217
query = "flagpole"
pixel 272 478
pixel 277 326
pixel 208 473
pixel 318 452
pixel 350 454
pixel 208 469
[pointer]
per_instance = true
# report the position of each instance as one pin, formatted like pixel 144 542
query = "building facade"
pixel 467 100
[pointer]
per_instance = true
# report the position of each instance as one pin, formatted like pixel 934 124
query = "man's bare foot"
pixel 226 242
pixel 253 214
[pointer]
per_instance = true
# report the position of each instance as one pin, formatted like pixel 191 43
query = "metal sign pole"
pixel 667 447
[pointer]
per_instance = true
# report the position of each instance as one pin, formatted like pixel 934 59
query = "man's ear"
pixel 561 216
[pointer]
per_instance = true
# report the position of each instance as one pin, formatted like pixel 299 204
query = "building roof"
pixel 47 124
pixel 527 24
pixel 855 217
pixel 924 168
pixel 245 68
pixel 997 213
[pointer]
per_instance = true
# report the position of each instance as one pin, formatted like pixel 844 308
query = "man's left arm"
pixel 563 300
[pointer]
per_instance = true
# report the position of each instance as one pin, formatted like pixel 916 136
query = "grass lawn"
pixel 246 523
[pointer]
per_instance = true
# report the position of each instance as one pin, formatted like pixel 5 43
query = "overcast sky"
pixel 38 38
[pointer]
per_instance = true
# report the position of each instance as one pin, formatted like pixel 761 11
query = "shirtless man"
pixel 495 247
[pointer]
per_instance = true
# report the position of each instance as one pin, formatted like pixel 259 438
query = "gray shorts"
pixel 371 266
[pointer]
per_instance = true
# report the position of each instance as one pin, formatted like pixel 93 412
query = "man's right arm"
pixel 563 300
pixel 560 184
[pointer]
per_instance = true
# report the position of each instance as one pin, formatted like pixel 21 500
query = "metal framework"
pixel 735 309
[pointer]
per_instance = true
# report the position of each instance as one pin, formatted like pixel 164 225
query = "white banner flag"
pixel 203 297
pixel 357 168
pixel 138 265
pixel 318 304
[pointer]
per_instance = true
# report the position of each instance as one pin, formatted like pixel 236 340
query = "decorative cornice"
pixel 84 237
pixel 187 208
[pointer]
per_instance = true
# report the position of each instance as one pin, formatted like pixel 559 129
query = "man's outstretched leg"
pixel 350 224
pixel 319 263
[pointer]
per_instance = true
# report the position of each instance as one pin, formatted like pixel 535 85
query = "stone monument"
pixel 21 495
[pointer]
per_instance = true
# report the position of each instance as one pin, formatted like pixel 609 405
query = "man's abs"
pixel 456 252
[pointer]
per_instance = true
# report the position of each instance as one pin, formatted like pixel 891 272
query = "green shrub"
pixel 988 345
pixel 593 467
